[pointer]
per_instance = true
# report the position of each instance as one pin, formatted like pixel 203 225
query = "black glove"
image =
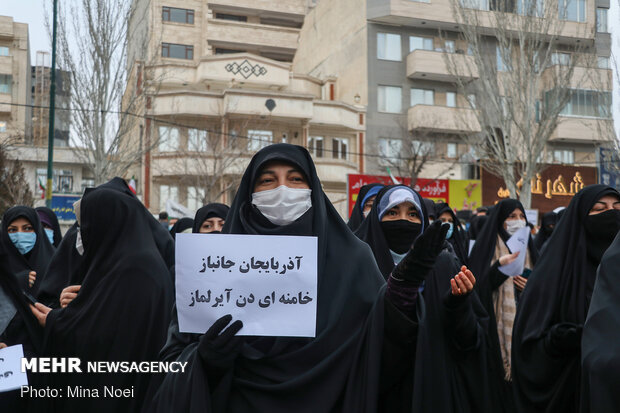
pixel 219 351
pixel 564 339
pixel 419 261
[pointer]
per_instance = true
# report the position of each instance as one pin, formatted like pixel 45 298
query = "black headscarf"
pixel 558 291
pixel 161 236
pixel 430 208
pixel 36 259
pixel 65 269
pixel 357 214
pixel 338 370
pixel 181 225
pixel 600 354
pixel 476 225
pixel 51 216
pixel 372 233
pixel 213 210
pixel 458 240
pixel 123 308
pixel 550 218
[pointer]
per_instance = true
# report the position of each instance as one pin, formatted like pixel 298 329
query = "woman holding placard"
pixel 363 343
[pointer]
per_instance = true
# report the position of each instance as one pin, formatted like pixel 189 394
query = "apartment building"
pixel 218 84
pixel 389 55
pixel 14 82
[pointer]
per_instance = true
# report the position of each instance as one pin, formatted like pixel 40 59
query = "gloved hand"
pixel 419 261
pixel 219 351
pixel 564 339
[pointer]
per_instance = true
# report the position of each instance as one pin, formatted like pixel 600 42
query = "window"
pixel 451 150
pixel 601 20
pixel 422 148
pixel 562 59
pixel 564 156
pixel 572 10
pixel 476 4
pixel 531 7
pixel 602 62
pixel 422 97
pixel 472 100
pixel 389 99
pixel 168 139
pixel 422 43
pixel 167 192
pixel 195 197
pixel 4 51
pixel 502 56
pixel 219 50
pixel 172 14
pixel 62 180
pixel 177 51
pixel 197 140
pixel 315 146
pixel 259 139
pixel 451 99
pixel 449 46
pixel 340 148
pixel 5 83
pixel 231 17
pixel 2 126
pixel 586 103
pixel 388 46
pixel 390 149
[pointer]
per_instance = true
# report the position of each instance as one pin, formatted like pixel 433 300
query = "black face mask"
pixel 400 234
pixel 601 229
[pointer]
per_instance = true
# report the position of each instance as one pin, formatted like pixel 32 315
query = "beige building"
pixel 14 82
pixel 16 117
pixel 389 55
pixel 219 85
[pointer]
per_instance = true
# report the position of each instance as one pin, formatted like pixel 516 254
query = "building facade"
pixel 389 54
pixel 218 85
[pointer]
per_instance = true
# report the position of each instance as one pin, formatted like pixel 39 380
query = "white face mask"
pixel 78 242
pixel 513 226
pixel 282 205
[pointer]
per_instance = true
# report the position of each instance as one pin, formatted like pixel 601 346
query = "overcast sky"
pixel 31 12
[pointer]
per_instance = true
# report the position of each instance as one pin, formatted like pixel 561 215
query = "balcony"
pixel 280 7
pixel 582 77
pixel 5 103
pixel 328 113
pixel 6 65
pixel 442 119
pixel 437 14
pixel 431 65
pixel 240 35
pixel 583 130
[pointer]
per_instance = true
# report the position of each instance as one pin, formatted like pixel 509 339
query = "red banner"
pixel 435 189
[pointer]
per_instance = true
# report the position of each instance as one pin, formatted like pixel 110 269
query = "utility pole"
pixel 52 115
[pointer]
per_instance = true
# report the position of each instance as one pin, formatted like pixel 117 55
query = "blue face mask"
pixel 450 230
pixel 50 235
pixel 24 241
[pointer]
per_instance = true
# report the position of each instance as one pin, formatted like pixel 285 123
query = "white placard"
pixel 268 282
pixel 471 245
pixel 11 376
pixel 518 242
pixel 532 216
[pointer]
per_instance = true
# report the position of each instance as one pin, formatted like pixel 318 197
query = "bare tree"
pixel 92 45
pixel 14 189
pixel 518 77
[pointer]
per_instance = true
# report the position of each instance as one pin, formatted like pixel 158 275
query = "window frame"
pixel 165 133
pixel 386 88
pixel 425 94
pixel 386 48
pixel 255 144
pixel 189 51
pixel 314 149
pixel 602 28
pixel 167 10
pixel 340 148
pixel 424 40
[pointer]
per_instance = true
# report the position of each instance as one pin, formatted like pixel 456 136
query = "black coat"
pixel 545 378
pixel 341 369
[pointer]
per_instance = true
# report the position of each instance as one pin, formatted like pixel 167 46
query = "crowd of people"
pixel 415 310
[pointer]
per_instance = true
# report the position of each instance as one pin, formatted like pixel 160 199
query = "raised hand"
pixel 463 283
pixel 219 348
pixel 420 260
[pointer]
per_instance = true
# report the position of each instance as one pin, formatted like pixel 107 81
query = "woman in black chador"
pixel 499 293
pixel 363 344
pixel 546 348
pixel 456 236
pixel 210 219
pixel 449 374
pixel 122 310
pixel 363 204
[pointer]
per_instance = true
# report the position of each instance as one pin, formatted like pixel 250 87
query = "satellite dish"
pixel 270 104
